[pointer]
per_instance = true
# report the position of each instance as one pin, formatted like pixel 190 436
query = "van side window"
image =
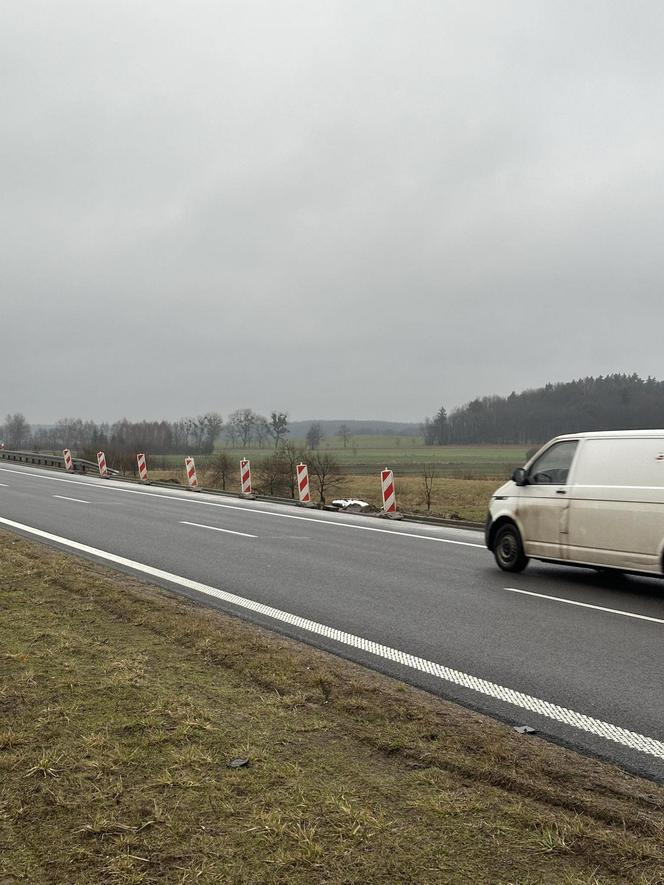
pixel 553 466
pixel 622 461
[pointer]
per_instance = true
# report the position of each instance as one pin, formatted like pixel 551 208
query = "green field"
pixel 406 455
pixel 465 476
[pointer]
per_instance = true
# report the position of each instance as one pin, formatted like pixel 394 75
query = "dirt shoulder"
pixel 121 706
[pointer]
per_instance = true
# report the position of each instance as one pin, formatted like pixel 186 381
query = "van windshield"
pixel 553 466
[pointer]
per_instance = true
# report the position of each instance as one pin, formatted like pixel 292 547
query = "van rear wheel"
pixel 508 549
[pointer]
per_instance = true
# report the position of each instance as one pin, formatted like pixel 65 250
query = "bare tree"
pixel 344 433
pixel 272 474
pixel 261 430
pixel 182 432
pixel 244 422
pixel 198 431
pixel 324 473
pixel 314 435
pixel 278 426
pixel 69 432
pixel 179 431
pixel 231 433
pixel 218 470
pixel 204 430
pixel 213 428
pixel 428 476
pixel 17 431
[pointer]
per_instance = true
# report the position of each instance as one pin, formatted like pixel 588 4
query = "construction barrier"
pixel 101 461
pixel 190 467
pixel 69 464
pixel 389 495
pixel 303 483
pixel 142 467
pixel 245 477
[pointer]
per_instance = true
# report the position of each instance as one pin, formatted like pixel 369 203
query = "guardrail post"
pixel 101 461
pixel 303 484
pixel 69 464
pixel 245 479
pixel 389 494
pixel 190 467
pixel 142 467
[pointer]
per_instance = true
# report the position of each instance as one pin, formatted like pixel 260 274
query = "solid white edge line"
pixel 244 509
pixel 214 528
pixel 580 721
pixel 65 498
pixel 600 608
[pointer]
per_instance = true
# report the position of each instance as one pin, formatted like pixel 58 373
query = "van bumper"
pixel 487 531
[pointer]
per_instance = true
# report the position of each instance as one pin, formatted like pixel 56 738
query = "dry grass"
pixel 464 498
pixel 121 705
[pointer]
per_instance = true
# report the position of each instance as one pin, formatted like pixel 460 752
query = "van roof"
pixel 615 434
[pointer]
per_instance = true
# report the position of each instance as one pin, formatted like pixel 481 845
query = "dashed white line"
pixel 4 485
pixel 215 528
pixel 601 608
pixel 245 509
pixel 65 498
pixel 580 721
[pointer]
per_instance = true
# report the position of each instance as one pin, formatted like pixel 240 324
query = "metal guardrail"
pixel 41 459
pixel 83 466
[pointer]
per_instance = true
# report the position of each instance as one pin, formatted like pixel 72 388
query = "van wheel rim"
pixel 508 549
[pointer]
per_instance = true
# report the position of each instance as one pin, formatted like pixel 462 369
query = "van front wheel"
pixel 508 549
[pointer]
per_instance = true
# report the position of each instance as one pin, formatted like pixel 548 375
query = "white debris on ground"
pixel 351 504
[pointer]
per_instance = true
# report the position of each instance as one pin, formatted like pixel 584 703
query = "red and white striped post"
pixel 142 467
pixel 389 495
pixel 303 483
pixel 190 467
pixel 69 464
pixel 101 460
pixel 245 477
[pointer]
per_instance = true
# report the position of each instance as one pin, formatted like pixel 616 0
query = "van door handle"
pixel 561 491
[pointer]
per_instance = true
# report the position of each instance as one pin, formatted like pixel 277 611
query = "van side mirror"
pixel 519 477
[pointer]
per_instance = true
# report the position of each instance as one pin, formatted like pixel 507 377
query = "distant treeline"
pixel 331 428
pixel 195 435
pixel 611 402
pixel 120 441
pixel 123 438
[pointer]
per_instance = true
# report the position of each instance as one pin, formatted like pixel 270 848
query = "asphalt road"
pixel 427 605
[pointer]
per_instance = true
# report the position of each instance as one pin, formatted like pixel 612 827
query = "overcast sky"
pixel 360 209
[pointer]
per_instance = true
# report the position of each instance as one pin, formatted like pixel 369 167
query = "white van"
pixel 590 499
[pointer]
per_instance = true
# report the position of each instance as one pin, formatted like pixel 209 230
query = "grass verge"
pixel 463 498
pixel 121 705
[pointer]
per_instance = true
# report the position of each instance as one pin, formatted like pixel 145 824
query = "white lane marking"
pixel 4 485
pixel 581 721
pixel 601 608
pixel 342 525
pixel 65 498
pixel 215 529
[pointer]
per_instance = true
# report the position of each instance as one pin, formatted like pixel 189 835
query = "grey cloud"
pixel 342 209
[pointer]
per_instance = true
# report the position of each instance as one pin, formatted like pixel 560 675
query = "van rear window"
pixel 621 462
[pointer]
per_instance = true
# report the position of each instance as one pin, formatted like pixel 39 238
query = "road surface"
pixel 565 651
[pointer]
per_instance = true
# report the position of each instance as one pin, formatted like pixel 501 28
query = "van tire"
pixel 508 549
